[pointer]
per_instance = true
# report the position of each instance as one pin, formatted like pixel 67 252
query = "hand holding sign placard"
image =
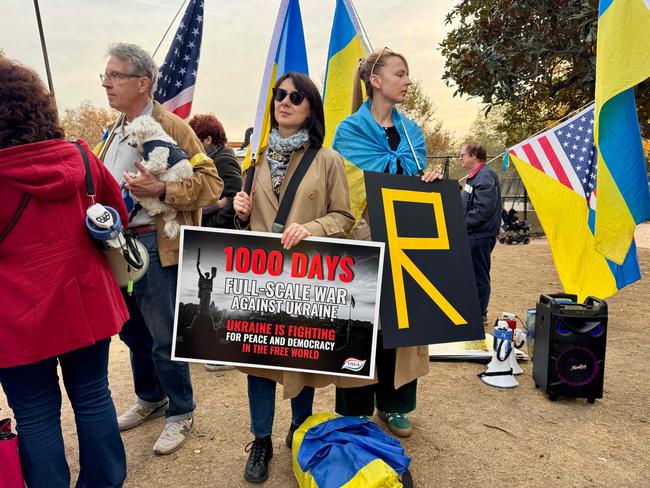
pixel 428 293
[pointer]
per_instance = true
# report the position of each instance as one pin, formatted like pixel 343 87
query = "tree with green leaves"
pixel 535 58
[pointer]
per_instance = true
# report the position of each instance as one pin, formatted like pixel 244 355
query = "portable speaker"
pixel 570 340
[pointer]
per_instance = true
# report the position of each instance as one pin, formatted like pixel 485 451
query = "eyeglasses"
pixel 295 97
pixel 116 75
pixel 386 49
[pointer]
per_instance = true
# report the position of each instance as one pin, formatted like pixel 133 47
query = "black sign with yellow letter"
pixel 428 292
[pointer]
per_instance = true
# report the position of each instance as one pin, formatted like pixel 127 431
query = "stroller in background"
pixel 515 231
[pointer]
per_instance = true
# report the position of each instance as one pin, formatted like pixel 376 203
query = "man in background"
pixel 481 197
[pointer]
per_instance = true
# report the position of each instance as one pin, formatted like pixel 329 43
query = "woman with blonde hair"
pixel 377 137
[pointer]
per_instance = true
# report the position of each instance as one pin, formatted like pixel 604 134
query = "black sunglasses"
pixel 295 97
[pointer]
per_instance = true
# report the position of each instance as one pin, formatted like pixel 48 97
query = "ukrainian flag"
pixel 623 61
pixel 97 150
pixel 347 47
pixel 346 452
pixel 287 52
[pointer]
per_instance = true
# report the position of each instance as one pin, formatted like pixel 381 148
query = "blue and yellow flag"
pixel 100 145
pixel 347 47
pixel 558 168
pixel 287 52
pixel 622 61
pixel 346 452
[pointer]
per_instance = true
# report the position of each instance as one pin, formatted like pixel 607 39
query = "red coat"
pixel 57 292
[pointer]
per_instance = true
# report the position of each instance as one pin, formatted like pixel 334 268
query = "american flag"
pixel 566 153
pixel 178 73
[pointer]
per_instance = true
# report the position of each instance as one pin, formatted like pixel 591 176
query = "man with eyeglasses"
pixel 481 198
pixel 162 386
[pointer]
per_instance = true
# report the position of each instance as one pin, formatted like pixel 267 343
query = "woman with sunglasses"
pixel 321 207
pixel 378 138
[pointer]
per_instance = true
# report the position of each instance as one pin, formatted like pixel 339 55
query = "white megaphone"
pixel 499 370
pixel 510 320
pixel 518 339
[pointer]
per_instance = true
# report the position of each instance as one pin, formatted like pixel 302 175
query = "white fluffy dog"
pixel 161 156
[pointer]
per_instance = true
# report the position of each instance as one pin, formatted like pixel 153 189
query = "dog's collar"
pixel 176 154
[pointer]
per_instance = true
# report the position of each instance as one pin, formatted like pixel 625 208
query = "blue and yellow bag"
pixel 350 452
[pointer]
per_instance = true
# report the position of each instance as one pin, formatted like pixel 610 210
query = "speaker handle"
pixel 553 297
pixel 596 303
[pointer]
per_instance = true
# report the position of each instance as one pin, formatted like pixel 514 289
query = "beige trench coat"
pixel 322 205
pixel 410 362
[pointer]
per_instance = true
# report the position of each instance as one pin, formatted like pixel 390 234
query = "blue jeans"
pixel 34 395
pixel 149 332
pixel 481 249
pixel 261 403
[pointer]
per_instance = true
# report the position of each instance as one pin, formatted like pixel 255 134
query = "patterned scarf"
pixel 279 152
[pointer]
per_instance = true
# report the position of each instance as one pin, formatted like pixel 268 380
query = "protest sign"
pixel 242 299
pixel 429 294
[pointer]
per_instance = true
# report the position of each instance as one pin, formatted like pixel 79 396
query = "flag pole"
pixel 122 116
pixel 256 136
pixel 365 36
pixel 250 174
pixel 169 27
pixel 44 48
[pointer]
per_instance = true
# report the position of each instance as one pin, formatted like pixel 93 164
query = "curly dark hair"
pixel 205 125
pixel 28 112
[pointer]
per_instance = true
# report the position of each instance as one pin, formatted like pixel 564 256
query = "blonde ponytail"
pixel 357 89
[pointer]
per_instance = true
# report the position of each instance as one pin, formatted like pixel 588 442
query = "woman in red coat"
pixel 59 301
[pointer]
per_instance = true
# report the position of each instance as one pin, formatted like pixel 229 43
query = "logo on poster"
pixel 354 364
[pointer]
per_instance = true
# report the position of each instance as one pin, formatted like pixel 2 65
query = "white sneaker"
pixel 217 367
pixel 138 413
pixel 173 436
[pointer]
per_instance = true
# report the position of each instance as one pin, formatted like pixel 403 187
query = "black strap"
pixel 15 218
pixel 496 373
pixel 89 179
pixel 136 208
pixel 499 351
pixel 292 188
pixel 250 173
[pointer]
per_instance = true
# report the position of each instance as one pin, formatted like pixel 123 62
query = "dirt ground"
pixel 466 434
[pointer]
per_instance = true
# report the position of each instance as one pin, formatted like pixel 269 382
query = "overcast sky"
pixel 236 38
